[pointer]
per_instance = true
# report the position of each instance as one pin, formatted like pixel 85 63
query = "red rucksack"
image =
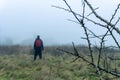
pixel 38 43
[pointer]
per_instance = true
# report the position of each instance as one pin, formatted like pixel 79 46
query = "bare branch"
pixel 92 12
pixel 101 47
pixel 115 12
pixel 74 55
pixel 94 35
pixel 82 24
pixel 81 16
pixel 75 50
pixel 102 58
pixel 102 19
pixel 91 63
pixel 75 59
pixel 98 70
pixel 117 21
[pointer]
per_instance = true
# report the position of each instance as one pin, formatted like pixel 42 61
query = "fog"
pixel 22 20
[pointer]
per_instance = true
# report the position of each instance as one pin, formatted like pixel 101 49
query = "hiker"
pixel 38 47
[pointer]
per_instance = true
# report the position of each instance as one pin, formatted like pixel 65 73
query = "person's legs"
pixel 40 54
pixel 35 55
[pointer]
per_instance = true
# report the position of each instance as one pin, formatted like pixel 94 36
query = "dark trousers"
pixel 37 52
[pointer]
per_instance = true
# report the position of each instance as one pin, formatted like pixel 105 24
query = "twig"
pixel 92 12
pixel 82 24
pixel 102 19
pixel 81 16
pixel 91 63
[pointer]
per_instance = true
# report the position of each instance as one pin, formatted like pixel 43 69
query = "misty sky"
pixel 22 20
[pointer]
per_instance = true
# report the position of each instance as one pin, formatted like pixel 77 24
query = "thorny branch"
pixel 82 24
pixel 93 34
pixel 110 28
pixel 93 64
pixel 102 40
pixel 102 19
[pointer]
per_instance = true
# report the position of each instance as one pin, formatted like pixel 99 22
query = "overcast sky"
pixel 22 20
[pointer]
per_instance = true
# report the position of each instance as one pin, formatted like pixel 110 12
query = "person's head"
pixel 38 37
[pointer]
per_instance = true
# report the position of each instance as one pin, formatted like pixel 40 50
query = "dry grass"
pixel 52 67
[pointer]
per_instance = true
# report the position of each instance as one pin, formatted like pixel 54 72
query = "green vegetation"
pixel 52 67
pixel 22 67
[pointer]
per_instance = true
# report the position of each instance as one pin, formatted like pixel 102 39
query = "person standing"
pixel 38 47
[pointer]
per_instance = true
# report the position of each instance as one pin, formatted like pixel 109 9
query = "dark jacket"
pixel 38 48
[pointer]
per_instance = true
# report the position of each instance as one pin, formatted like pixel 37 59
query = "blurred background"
pixel 22 20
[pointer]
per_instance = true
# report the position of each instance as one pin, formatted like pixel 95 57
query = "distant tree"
pixel 101 65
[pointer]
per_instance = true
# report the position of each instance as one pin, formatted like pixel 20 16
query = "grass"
pixel 22 67
pixel 52 67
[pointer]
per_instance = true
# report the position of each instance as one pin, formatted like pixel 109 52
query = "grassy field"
pixel 22 67
pixel 51 67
